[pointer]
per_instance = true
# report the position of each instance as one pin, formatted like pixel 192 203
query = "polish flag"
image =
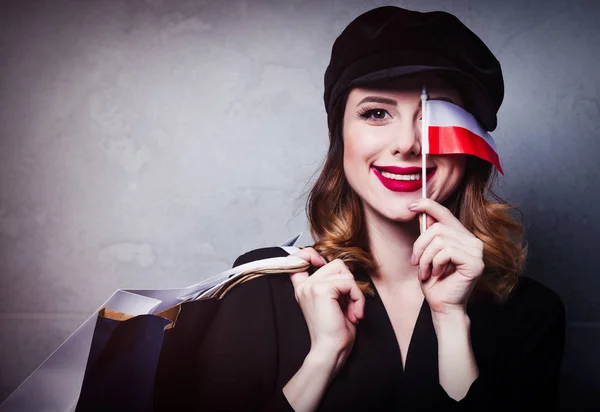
pixel 454 130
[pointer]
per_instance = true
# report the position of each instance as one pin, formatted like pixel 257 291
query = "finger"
pixel 440 243
pixel 436 211
pixel 311 256
pixel 467 265
pixel 336 288
pixel 434 247
pixel 335 270
pixel 468 242
pixel 347 307
pixel 450 268
pixel 350 312
pixel 356 304
pixel 298 278
pixel 344 276
pixel 329 288
pixel 430 222
pixel 335 267
pixel 439 263
pixel 445 270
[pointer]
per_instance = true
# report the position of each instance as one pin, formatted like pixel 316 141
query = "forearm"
pixel 306 388
pixel 456 361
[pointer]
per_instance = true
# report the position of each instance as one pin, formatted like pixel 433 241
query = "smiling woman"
pixel 446 320
pixel 382 146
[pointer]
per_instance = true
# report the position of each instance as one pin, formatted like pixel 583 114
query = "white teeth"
pixel 401 177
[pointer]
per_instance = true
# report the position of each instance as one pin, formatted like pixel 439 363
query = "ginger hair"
pixel 336 219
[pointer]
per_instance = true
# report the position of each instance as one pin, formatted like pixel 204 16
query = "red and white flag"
pixel 451 129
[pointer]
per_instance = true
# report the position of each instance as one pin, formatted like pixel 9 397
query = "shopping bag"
pixel 127 323
pixel 129 354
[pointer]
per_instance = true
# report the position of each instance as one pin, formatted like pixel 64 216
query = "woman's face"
pixel 382 129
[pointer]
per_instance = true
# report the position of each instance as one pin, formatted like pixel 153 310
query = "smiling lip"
pixel 402 170
pixel 402 185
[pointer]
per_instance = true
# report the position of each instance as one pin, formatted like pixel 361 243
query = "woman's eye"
pixel 375 114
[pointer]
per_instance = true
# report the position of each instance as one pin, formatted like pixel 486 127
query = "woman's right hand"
pixel 332 305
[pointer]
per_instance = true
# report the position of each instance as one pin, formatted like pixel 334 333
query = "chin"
pixel 402 215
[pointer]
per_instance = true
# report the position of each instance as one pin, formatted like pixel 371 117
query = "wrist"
pixel 306 388
pixel 326 360
pixel 457 366
pixel 451 322
pixel 320 360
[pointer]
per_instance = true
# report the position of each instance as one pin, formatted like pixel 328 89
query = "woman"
pixel 446 322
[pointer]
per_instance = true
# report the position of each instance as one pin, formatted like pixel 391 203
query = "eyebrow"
pixel 386 100
pixel 378 99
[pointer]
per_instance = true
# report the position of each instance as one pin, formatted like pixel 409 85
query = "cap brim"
pixel 478 101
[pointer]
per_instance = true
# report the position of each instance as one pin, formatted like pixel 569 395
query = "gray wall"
pixel 148 143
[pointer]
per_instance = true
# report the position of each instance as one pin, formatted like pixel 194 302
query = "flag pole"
pixel 424 151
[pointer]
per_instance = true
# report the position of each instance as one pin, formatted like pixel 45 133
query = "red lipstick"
pixel 402 185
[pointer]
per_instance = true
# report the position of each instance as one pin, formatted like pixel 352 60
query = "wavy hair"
pixel 336 219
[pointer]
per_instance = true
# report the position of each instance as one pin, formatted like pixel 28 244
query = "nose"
pixel 407 139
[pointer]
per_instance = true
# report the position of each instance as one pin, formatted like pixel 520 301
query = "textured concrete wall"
pixel 148 143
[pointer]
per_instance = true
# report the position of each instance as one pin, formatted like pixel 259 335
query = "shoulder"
pixel 529 324
pixel 260 253
pixel 252 303
pixel 260 290
pixel 533 306
pixel 532 296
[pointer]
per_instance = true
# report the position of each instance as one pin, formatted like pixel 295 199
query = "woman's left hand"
pixel 450 258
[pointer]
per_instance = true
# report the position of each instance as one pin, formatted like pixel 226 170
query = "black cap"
pixel 389 42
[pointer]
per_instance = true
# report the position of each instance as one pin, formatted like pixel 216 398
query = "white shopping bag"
pixel 56 383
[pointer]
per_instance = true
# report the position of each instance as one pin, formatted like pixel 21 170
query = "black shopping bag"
pixel 146 362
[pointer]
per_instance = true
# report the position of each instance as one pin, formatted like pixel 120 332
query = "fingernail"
pixel 420 274
pixel 413 259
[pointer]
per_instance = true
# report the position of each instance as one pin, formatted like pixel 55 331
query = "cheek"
pixel 352 147
pixel 356 158
pixel 460 166
pixel 361 145
pixel 454 166
pixel 351 159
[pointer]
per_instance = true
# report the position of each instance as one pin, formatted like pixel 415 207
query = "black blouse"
pixel 258 340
